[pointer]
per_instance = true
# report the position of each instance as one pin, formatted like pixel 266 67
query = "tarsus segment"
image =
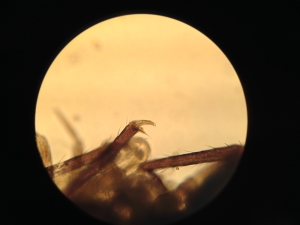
pixel 106 157
pixel 217 154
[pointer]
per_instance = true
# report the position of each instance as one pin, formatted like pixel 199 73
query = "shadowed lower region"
pixel 116 183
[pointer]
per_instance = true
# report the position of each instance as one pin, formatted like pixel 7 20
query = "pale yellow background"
pixel 143 67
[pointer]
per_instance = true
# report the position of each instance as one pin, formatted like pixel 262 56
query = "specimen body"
pixel 117 184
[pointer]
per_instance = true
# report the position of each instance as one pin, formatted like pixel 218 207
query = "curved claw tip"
pixel 139 123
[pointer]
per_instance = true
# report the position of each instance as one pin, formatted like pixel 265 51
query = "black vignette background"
pixel 260 42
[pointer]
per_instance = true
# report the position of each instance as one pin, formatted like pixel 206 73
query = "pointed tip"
pixel 139 123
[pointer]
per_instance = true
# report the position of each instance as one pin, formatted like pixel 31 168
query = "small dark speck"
pixel 73 58
pixel 76 117
pixel 96 45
